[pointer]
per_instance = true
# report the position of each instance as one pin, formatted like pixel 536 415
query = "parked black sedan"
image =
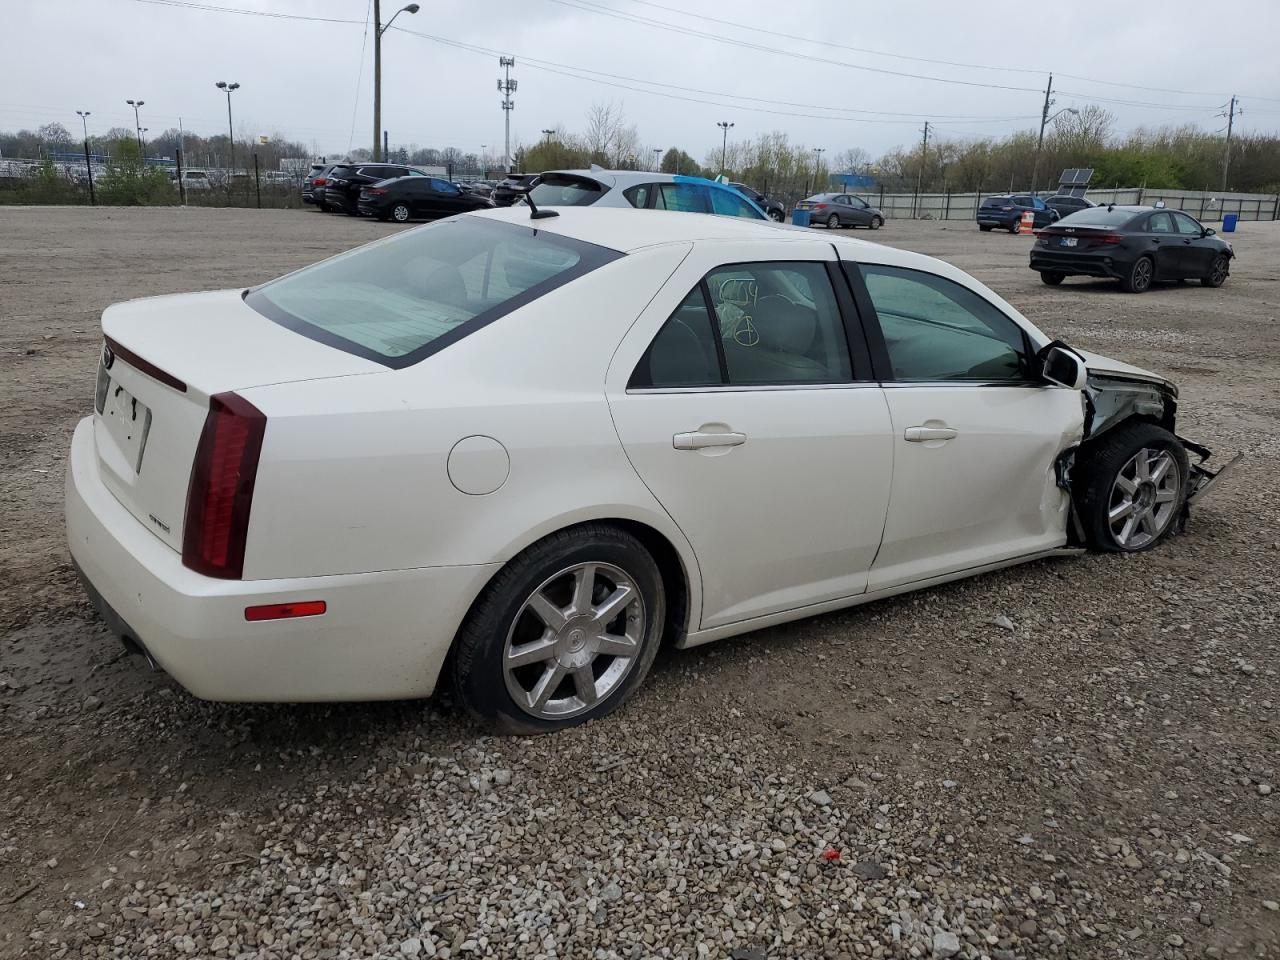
pixel 409 198
pixel 345 181
pixel 1135 245
pixel 773 209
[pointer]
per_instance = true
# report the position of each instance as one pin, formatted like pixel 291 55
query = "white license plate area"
pixel 1068 241
pixel 128 421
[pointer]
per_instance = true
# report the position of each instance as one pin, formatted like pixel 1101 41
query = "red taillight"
pixel 283 611
pixel 221 491
pixel 375 191
pixel 819 206
pixel 320 181
pixel 1112 238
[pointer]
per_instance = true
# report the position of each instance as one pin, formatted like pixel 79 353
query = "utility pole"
pixel 378 30
pixel 506 87
pixel 228 89
pixel 1231 113
pixel 1044 120
pixel 657 155
pixel 817 158
pixel 726 126
pixel 88 164
pixel 924 151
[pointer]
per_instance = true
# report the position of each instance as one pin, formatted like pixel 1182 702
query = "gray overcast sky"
pixel 299 78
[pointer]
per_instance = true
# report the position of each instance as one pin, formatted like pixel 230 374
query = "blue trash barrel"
pixel 800 218
pixel 1229 222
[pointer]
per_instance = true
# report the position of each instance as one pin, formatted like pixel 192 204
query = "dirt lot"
pixel 1096 781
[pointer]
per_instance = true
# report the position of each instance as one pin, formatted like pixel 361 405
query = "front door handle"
pixel 700 440
pixel 925 434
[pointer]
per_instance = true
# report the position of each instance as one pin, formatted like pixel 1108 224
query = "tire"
pixel 877 223
pixel 775 216
pixel 1111 478
pixel 1016 228
pixel 400 213
pixel 1139 277
pixel 984 227
pixel 1052 277
pixel 1217 272
pixel 504 619
pixel 833 221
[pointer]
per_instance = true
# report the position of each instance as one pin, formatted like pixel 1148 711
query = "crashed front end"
pixel 1114 396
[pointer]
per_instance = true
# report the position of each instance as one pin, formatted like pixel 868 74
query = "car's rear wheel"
pixel 1052 277
pixel 877 223
pixel 400 213
pixel 984 227
pixel 564 633
pixel 833 222
pixel 1217 275
pixel 1139 277
pixel 1131 487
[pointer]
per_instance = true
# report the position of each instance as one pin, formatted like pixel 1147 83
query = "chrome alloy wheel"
pixel 1144 498
pixel 574 641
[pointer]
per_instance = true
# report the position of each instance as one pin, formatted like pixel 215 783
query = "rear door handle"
pixel 700 440
pixel 925 434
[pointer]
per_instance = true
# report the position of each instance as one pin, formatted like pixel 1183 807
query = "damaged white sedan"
pixel 519 452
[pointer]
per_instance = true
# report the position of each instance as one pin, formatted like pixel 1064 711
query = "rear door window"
pixel 1160 223
pixel 683 197
pixel 407 296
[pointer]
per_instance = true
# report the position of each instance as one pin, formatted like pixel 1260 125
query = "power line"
pixel 211 8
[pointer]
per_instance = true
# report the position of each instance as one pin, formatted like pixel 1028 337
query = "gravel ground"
pixel 1075 758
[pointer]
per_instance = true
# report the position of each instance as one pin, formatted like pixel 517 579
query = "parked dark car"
pixel 345 181
pixel 1067 205
pixel 1005 211
pixel 1135 245
pixel 313 186
pixel 772 208
pixel 413 198
pixel 308 182
pixel 481 188
pixel 512 188
pixel 841 210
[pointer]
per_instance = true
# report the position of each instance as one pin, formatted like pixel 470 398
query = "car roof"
pixel 627 178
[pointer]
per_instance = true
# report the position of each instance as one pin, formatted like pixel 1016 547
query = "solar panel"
pixel 1074 181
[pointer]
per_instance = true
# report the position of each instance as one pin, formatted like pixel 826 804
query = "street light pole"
pixel 724 141
pixel 657 152
pixel 229 88
pixel 379 30
pixel 1045 121
pixel 137 124
pixel 88 164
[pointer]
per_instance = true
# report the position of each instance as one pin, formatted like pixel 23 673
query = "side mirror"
pixel 1208 232
pixel 1065 369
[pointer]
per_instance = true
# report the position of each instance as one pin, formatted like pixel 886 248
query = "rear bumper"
pixel 1077 264
pixel 384 635
pixel 988 220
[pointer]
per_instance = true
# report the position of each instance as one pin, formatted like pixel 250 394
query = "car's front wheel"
pixel 775 216
pixel 1131 487
pixel 1217 275
pixel 1139 277
pixel 877 223
pixel 564 633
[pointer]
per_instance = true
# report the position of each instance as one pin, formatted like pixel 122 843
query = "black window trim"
pixel 880 353
pixel 591 257
pixel 860 365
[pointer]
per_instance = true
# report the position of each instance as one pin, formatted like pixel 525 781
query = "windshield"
pixel 566 190
pixel 403 298
pixel 1097 217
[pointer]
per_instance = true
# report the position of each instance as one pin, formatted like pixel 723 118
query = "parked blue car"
pixel 1006 211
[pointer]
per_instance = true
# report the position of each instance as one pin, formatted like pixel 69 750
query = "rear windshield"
pixel 566 190
pixel 408 296
pixel 997 202
pixel 1097 217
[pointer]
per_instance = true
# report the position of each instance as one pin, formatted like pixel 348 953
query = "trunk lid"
pixel 164 357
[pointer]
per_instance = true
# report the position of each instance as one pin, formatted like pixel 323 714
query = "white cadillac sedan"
pixel 522 451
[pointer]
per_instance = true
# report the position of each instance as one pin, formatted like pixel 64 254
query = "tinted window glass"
pixel 443 186
pixel 779 324
pixel 684 197
pixel 638 196
pixel 1098 217
pixel 935 329
pixel 1186 225
pixel 1160 223
pixel 996 202
pixel 729 204
pixel 402 298
pixel 683 354
pixel 559 190
pixel 1022 201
